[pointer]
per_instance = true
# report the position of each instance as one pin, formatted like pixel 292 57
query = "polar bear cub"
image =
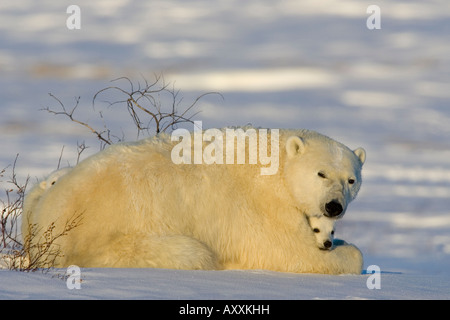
pixel 36 192
pixel 53 177
pixel 323 228
pixel 39 188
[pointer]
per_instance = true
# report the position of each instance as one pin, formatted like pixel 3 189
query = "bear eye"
pixel 316 230
pixel 321 174
pixel 351 181
pixel 332 232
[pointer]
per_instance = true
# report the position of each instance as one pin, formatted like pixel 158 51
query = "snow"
pixel 285 64
pixel 221 285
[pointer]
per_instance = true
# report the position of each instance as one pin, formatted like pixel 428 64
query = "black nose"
pixel 327 244
pixel 333 209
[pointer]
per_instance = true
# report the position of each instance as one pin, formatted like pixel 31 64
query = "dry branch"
pixel 38 250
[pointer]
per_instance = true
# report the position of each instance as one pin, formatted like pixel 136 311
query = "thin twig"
pixel 72 118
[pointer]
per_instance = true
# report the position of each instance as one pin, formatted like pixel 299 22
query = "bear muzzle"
pixel 326 245
pixel 333 209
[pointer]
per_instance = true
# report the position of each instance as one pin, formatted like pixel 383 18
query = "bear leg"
pixel 142 251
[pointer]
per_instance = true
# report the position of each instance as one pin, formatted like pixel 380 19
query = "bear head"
pixel 323 228
pixel 323 175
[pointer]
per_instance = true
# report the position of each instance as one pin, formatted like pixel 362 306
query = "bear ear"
pixel 361 154
pixel 294 146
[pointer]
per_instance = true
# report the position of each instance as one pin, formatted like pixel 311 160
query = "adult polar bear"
pixel 140 209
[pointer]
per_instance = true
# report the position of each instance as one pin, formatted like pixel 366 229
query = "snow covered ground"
pixel 285 64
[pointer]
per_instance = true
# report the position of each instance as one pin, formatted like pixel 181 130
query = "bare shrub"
pixel 39 250
pixel 153 108
pixel 11 209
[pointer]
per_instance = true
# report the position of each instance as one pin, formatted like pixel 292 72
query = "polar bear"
pixel 140 209
pixel 35 194
pixel 54 176
pixel 323 228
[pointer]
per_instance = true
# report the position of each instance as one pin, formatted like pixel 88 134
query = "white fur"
pixel 53 177
pixel 34 195
pixel 323 228
pixel 321 154
pixel 139 209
